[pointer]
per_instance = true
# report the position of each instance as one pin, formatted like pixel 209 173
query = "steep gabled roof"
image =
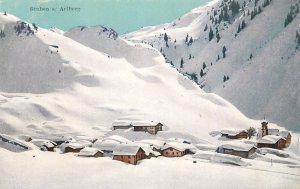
pixel 87 151
pixel 126 149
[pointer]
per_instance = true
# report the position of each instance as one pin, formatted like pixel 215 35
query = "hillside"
pixel 53 85
pixel 258 69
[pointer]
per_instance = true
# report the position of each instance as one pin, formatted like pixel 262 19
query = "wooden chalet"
pixel 234 133
pixel 147 126
pixel 128 153
pixel 176 149
pixel 90 152
pixel 238 149
pixel 71 147
pixel 272 141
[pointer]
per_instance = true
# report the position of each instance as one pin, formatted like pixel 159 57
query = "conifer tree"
pixel 181 63
pixel 211 34
pixel 224 51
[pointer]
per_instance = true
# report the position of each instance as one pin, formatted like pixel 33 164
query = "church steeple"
pixel 264 127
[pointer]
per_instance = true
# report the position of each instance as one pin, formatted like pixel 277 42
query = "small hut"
pixel 90 152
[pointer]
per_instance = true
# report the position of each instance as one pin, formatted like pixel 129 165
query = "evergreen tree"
pixel 211 34
pixel 194 77
pixel 190 56
pixel 218 58
pixel 201 73
pixel 251 132
pixel 166 37
pixel 161 50
pixel 190 41
pixel 259 10
pixel 181 63
pixel 206 27
pixel 35 27
pixel 218 37
pixel 203 65
pixel 5 14
pixel 251 56
pixel 224 78
pixel 186 38
pixel 243 24
pixel 227 78
pixel 224 51
pixel 239 29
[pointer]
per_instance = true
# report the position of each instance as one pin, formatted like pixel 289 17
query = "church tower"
pixel 264 127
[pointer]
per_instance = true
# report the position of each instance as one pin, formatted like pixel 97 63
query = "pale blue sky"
pixel 121 15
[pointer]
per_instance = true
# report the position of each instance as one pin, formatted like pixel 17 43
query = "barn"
pixel 272 141
pixel 151 127
pixel 237 149
pixel 232 133
pixel 90 152
pixel 128 153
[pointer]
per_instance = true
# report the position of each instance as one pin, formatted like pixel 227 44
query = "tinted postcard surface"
pixel 149 94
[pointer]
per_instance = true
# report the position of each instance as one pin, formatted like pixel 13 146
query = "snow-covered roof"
pixel 121 123
pixel 178 146
pixel 72 145
pixel 207 147
pixel 155 143
pixel 85 143
pixel 182 140
pixel 270 139
pixel 88 151
pixel 43 142
pixel 107 145
pixel 283 133
pixel 144 123
pixel 232 131
pixel 273 131
pixel 117 138
pixel 126 149
pixel 237 146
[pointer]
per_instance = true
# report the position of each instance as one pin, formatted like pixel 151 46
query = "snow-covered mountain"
pixel 51 84
pixel 259 73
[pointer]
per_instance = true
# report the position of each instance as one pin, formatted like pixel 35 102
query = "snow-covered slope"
pixel 51 84
pixel 262 60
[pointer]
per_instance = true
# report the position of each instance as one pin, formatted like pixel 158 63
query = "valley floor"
pixel 36 169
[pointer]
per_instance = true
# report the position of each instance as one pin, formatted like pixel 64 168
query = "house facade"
pixel 128 154
pixel 173 152
pixel 150 127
